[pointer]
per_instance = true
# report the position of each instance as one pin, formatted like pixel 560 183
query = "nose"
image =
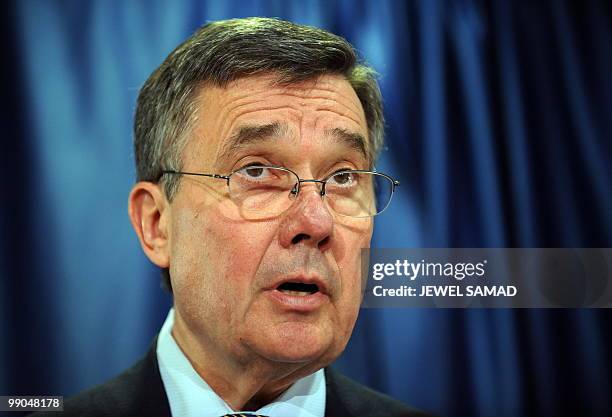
pixel 308 221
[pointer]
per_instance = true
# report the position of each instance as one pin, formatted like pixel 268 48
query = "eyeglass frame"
pixel 296 188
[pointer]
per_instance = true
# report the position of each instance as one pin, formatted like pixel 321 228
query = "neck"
pixel 245 382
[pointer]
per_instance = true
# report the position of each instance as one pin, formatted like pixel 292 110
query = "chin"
pixel 296 342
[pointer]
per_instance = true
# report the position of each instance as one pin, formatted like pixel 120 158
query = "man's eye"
pixel 254 172
pixel 343 178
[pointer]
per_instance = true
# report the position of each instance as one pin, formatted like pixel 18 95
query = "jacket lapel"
pixel 335 405
pixel 151 393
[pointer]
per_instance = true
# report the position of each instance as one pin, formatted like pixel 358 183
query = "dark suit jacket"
pixel 139 391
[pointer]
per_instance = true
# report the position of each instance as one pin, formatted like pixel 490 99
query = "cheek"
pixel 352 240
pixel 212 266
pixel 192 273
pixel 237 249
pixel 216 255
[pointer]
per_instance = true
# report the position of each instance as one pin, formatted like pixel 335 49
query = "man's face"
pixel 226 269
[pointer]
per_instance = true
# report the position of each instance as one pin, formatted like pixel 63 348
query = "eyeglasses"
pixel 265 191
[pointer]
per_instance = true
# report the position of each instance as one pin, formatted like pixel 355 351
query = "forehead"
pixel 258 111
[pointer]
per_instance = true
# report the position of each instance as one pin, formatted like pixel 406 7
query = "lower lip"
pixel 300 303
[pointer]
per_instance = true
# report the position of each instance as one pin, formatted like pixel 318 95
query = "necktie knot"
pixel 243 415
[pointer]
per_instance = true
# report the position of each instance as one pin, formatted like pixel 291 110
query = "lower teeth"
pixel 290 292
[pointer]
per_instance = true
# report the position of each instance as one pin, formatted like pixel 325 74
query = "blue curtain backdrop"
pixel 499 128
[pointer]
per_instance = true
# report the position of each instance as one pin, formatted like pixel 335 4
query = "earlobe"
pixel 148 210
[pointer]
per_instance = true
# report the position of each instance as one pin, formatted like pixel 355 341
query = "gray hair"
pixel 223 51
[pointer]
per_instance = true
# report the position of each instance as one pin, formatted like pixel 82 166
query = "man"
pixel 254 143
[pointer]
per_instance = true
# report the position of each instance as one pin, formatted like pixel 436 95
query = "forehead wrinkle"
pixel 349 94
pixel 253 132
pixel 235 108
pixel 351 102
pixel 320 89
pixel 335 112
pixel 302 90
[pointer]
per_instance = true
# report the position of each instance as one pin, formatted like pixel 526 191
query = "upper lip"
pixel 304 279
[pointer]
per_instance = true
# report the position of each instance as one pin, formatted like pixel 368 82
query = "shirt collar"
pixel 190 396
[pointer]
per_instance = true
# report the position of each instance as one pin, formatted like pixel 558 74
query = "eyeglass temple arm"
pixel 222 177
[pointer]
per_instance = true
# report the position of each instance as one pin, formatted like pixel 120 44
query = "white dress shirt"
pixel 190 396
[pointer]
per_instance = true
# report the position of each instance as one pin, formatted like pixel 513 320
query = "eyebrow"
pixel 352 139
pixel 253 133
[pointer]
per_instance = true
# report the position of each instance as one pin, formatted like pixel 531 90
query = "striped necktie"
pixel 243 415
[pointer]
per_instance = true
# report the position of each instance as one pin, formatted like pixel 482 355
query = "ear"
pixel 149 210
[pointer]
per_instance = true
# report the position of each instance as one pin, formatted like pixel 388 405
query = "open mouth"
pixel 298 288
